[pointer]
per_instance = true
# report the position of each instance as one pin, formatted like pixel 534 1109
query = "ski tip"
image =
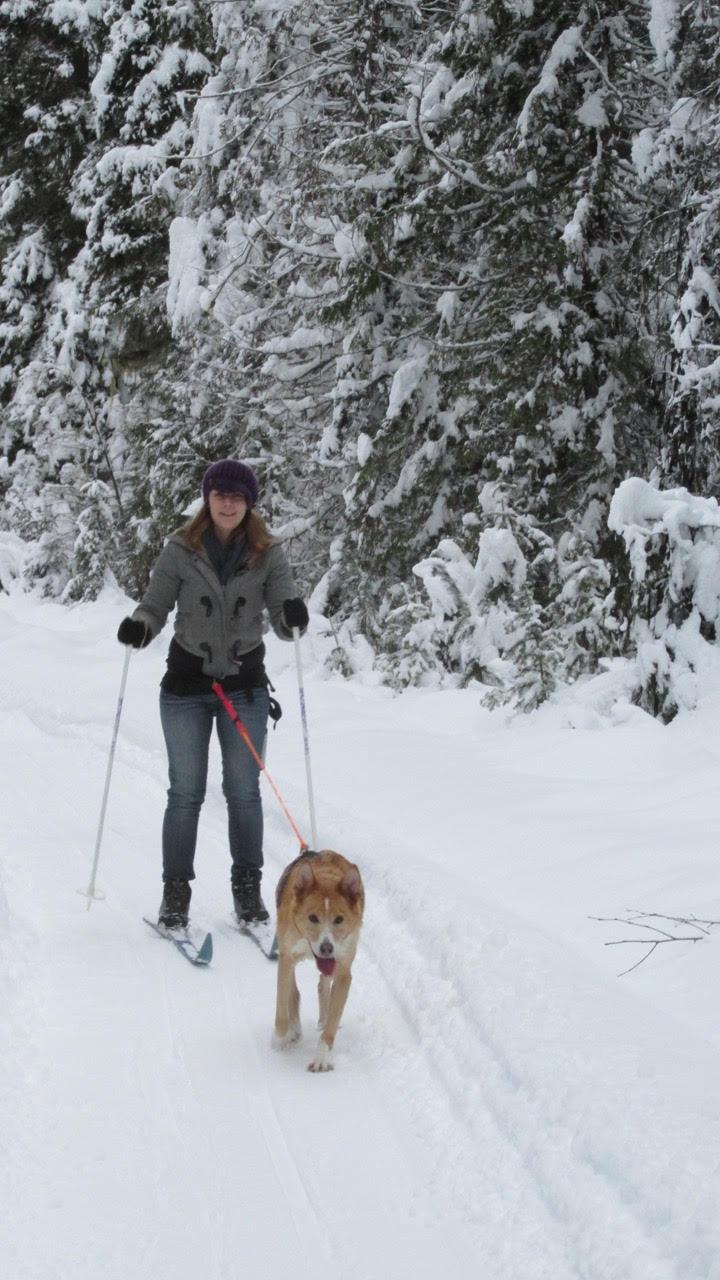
pixel 264 937
pixel 205 951
pixel 200 956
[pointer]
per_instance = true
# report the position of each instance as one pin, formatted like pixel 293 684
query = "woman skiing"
pixel 222 570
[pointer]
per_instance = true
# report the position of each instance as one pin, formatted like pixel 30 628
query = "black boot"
pixel 175 903
pixel 249 906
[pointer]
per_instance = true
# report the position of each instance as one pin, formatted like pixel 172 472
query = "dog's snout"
pixel 326 948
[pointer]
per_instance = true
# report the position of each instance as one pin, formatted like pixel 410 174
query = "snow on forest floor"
pixel 504 1106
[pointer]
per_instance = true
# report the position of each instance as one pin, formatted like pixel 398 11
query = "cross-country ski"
pixel 262 933
pixel 198 951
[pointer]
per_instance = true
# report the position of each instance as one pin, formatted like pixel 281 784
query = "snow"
pixel 643 152
pixel 564 50
pixel 132 162
pixel 349 245
pixel 592 113
pixel 102 82
pixel 406 380
pixel 446 306
pixel 13 552
pixel 504 1105
pixel 74 13
pixel 364 448
pixel 301 339
pixel 187 292
pixel 172 63
pixel 574 232
pixel 208 120
pixel 638 510
pixel 663 30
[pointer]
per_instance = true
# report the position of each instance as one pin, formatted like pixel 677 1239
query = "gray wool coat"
pixel 216 623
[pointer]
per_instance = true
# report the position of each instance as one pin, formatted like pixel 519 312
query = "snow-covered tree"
pixel 98 102
pixel 504 339
pixel 257 289
pixel 673 543
pixel 679 161
pixel 44 67
pixel 443 273
pixel 150 69
pixel 94 535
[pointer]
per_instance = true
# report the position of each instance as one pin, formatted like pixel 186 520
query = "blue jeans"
pixel 187 724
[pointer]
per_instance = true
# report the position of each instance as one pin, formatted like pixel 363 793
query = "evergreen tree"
pixel 94 534
pixel 508 342
pixel 442 273
pixel 44 119
pixel 665 613
pixel 682 164
pixel 98 99
pixel 262 317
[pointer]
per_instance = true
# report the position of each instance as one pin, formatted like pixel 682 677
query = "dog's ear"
pixel 351 886
pixel 304 880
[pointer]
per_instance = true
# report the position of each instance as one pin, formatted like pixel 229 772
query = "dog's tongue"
pixel 325 966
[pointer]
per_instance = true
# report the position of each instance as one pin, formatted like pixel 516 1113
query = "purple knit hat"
pixel 230 476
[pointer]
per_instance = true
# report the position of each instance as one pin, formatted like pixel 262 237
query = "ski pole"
pixel 306 739
pixel 90 892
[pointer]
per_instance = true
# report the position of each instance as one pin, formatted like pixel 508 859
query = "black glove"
pixel 295 614
pixel 133 632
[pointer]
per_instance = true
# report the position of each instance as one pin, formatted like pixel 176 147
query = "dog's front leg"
pixel 287 1010
pixel 324 988
pixel 338 996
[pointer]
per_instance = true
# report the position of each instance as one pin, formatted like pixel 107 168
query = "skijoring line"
pixel 244 734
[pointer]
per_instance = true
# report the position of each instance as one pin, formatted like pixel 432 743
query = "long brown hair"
pixel 252 527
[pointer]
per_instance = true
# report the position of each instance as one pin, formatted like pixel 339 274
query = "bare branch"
pixel 639 920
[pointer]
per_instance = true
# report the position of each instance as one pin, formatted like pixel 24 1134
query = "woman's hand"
pixel 295 614
pixel 133 632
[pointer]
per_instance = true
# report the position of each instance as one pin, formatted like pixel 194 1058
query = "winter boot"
pixel 249 906
pixel 175 904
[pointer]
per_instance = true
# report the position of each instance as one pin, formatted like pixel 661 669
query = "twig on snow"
pixel 640 919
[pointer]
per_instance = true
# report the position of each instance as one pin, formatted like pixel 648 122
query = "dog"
pixel 320 902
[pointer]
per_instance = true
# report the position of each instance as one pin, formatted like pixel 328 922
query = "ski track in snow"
pixel 521 1159
pixel 480 1119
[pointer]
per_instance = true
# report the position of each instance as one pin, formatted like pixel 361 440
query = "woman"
pixel 222 570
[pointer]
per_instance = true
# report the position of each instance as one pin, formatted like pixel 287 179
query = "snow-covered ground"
pixel 504 1106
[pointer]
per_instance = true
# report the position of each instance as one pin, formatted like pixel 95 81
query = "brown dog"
pixel 320 903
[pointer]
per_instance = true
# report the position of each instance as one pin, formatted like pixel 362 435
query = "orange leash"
pixel 242 730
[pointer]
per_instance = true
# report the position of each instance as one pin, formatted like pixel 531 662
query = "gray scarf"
pixel 228 558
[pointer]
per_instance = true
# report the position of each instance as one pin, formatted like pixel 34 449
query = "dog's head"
pixel 327 912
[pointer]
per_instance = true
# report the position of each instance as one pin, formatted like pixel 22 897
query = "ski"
pixel 198 955
pixel 263 935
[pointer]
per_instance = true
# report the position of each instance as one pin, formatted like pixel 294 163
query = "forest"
pixel 446 275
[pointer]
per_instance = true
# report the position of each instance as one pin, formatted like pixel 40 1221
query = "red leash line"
pixel 242 730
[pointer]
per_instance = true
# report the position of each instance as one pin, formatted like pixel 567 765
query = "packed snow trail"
pixel 502 1107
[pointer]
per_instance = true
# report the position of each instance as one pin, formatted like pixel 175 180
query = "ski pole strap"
pixel 243 731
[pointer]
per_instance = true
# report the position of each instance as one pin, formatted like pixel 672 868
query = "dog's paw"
pixel 322 1060
pixel 288 1038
